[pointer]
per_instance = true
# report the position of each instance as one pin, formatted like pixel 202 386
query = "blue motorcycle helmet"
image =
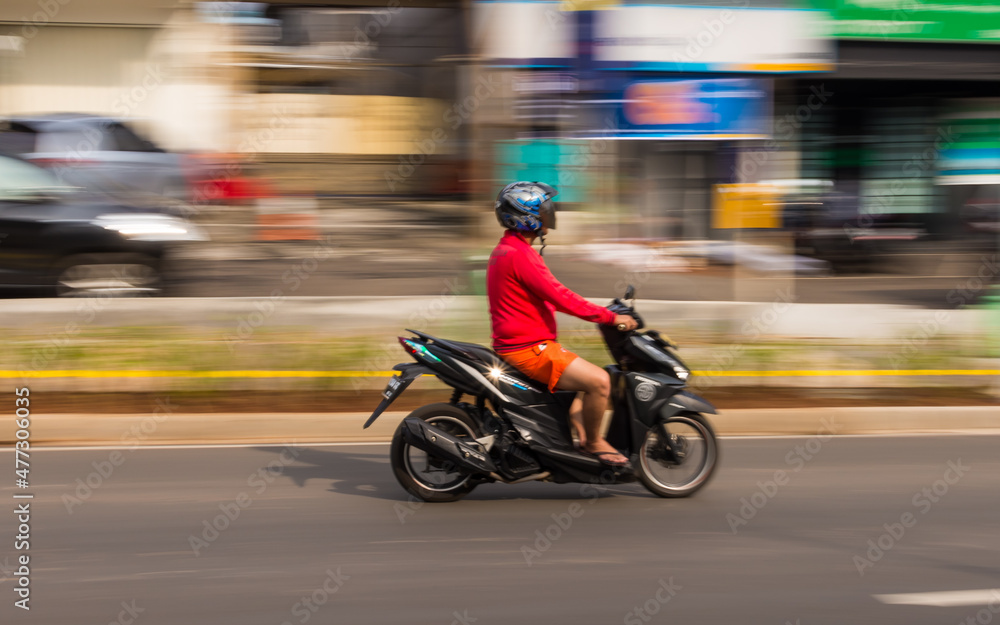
pixel 526 207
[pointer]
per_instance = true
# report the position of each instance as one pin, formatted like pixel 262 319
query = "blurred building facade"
pixel 691 120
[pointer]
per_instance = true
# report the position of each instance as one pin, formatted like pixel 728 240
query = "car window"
pixel 68 140
pixel 17 140
pixel 21 181
pixel 122 139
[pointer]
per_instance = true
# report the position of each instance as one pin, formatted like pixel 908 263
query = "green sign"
pixel 561 164
pixel 913 20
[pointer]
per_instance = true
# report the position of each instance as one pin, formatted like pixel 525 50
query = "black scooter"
pixel 440 452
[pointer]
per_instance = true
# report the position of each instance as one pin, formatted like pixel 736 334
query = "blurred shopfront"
pixel 662 98
pixel 910 138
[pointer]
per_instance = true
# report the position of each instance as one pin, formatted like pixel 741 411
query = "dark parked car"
pixel 55 238
pixel 831 226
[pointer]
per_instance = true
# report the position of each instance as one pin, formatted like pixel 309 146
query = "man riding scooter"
pixel 523 298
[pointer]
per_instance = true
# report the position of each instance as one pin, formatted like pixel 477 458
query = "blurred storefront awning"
pixel 709 39
pixel 106 12
pixel 915 20
pixel 523 34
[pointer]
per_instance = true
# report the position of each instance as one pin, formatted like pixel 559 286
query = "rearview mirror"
pixel 630 292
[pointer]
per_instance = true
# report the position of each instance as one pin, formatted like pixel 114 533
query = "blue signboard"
pixel 709 108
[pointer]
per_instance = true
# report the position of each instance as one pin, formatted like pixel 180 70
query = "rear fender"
pixel 409 371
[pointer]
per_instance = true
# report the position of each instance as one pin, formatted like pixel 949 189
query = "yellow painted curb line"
pixel 846 372
pixel 85 373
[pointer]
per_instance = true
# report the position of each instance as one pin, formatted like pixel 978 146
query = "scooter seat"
pixel 494 359
pixel 478 352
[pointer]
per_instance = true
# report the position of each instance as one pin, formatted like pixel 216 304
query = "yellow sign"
pixel 746 206
pixel 587 5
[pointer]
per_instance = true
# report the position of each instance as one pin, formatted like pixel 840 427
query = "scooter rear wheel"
pixel 683 472
pixel 423 476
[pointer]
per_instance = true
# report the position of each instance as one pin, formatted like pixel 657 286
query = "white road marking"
pixel 199 446
pixel 986 432
pixel 970 432
pixel 945 599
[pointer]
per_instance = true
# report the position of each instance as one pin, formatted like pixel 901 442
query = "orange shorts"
pixel 544 362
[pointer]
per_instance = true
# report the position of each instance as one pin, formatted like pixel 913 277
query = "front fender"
pixel 680 403
pixel 685 401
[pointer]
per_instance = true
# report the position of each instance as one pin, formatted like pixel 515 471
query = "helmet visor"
pixel 547 213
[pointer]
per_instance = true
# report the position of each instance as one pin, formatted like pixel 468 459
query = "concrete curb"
pixel 743 321
pixel 279 428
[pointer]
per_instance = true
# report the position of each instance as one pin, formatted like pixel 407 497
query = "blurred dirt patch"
pixel 366 400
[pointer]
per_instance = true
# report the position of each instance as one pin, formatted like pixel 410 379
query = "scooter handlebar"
pixel 620 308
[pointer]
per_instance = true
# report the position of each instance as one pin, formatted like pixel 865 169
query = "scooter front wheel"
pixel 678 456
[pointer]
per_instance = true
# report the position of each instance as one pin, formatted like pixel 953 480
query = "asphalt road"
pixel 329 525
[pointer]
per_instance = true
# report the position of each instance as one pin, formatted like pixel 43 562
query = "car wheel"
pixel 88 276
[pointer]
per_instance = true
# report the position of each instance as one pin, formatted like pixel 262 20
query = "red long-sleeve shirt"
pixel 524 296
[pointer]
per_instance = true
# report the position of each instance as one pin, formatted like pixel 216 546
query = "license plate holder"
pixel 392 387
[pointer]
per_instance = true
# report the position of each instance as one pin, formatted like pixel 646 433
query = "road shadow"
pixel 349 472
pixel 369 474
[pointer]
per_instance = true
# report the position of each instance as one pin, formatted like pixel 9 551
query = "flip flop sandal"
pixel 598 455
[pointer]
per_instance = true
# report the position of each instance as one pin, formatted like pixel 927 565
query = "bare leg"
pixel 584 376
pixel 576 420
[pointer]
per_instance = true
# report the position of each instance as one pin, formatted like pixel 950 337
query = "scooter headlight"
pixel 658 355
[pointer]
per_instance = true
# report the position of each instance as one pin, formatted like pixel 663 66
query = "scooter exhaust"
pixel 440 444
